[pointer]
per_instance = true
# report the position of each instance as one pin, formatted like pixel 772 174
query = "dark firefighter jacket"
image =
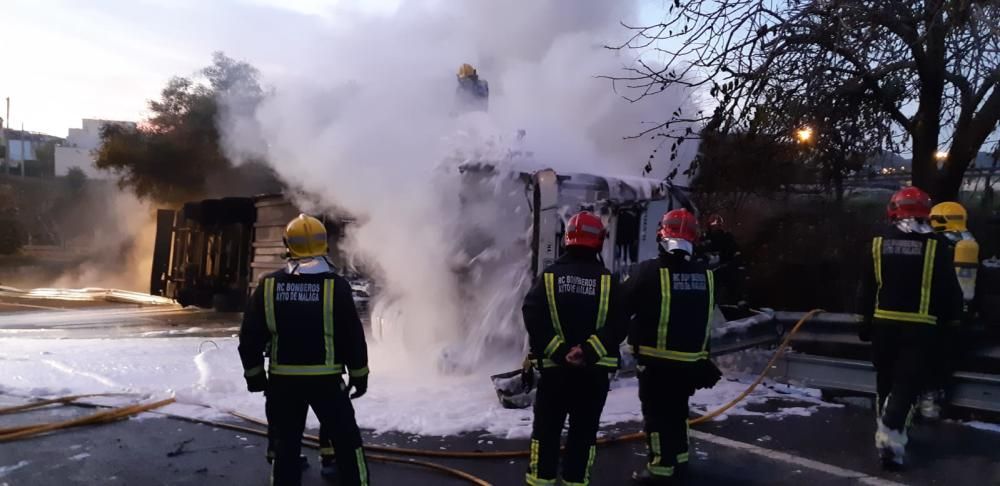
pixel 671 301
pixel 307 323
pixel 909 278
pixel 574 302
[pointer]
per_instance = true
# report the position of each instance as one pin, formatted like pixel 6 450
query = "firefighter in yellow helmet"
pixel 302 307
pixel 950 220
pixel 472 93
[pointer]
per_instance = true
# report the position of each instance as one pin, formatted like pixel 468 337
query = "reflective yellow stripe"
pixel 550 295
pixel 359 372
pixel 609 362
pixel 595 342
pixel 362 466
pixel 533 459
pixel 922 316
pixel 328 285
pixel 661 330
pixel 905 316
pixel 253 371
pixel 536 481
pixel 602 306
pixel 553 345
pixel 327 451
pixel 654 466
pixel 546 363
pixel 280 369
pixel 710 276
pixel 272 324
pixel 674 355
pixel 590 464
pixel 925 289
pixel 877 258
pixel 683 457
pixel 660 470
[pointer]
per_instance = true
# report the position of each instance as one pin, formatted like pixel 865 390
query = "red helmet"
pixel 680 224
pixel 909 202
pixel 586 230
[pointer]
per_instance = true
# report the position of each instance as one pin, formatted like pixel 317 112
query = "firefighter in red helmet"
pixel 574 330
pixel 671 300
pixel 909 289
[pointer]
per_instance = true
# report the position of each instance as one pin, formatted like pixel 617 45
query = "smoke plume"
pixel 365 120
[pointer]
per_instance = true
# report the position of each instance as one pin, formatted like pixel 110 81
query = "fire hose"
pixel 14 433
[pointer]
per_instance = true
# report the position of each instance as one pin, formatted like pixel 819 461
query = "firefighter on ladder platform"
pixel 571 314
pixel 305 314
pixel 671 300
pixel 909 290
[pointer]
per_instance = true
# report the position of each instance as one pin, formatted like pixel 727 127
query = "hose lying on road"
pixel 313 443
pixel 114 414
pixel 59 400
pixel 23 432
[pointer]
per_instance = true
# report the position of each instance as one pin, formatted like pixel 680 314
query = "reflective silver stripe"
pixel 328 321
pixel 359 372
pixel 272 324
pixel 711 308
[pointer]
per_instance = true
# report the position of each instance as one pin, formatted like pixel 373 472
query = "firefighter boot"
pixel 891 445
pixel 329 470
pixel 646 478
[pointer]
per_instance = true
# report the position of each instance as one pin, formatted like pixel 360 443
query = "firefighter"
pixel 305 314
pixel 720 251
pixel 573 330
pixel 949 219
pixel 671 300
pixel 472 93
pixel 909 290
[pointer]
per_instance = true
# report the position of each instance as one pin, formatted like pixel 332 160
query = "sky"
pixel 67 60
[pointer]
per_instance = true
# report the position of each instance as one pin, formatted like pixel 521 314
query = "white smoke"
pixel 366 121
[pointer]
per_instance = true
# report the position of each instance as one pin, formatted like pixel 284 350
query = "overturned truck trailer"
pixel 211 253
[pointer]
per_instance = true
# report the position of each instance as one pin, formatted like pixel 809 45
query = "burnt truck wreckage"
pixel 211 253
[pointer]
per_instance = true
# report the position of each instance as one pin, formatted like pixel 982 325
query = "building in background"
pixel 27 153
pixel 77 151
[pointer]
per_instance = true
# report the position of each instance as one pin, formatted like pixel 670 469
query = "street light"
pixel 940 156
pixel 804 134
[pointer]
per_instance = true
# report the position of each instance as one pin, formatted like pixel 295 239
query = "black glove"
pixel 359 384
pixel 257 382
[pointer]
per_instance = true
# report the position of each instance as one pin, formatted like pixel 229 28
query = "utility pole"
pixel 24 150
pixel 3 138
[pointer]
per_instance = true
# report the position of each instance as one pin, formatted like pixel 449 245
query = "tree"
pixel 926 70
pixel 176 154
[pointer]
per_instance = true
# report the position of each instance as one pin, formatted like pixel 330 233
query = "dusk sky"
pixel 67 60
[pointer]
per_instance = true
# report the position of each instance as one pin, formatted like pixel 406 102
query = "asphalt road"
pixel 833 446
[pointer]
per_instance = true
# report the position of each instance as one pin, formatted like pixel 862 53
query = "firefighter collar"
pixel 308 266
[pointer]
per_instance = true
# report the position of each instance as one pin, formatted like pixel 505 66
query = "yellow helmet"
pixel 466 70
pixel 948 216
pixel 305 236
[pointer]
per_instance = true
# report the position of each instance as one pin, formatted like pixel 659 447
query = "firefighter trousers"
pixel 289 400
pixel 579 393
pixel 903 355
pixel 326 450
pixel 664 392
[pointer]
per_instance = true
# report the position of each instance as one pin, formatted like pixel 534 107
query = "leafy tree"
pixel 926 73
pixel 176 155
